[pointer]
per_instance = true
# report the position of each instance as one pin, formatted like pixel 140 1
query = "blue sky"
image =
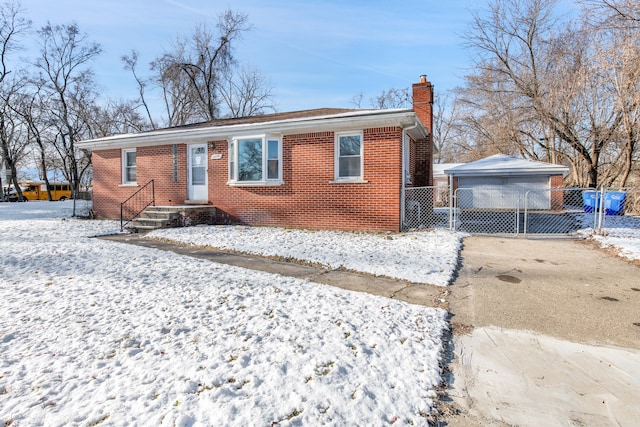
pixel 316 53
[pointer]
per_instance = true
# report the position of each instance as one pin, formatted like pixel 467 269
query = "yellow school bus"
pixel 37 190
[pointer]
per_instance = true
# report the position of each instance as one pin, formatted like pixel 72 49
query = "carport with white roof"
pixel 502 182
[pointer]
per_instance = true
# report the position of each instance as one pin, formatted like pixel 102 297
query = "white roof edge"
pixel 351 119
pixel 506 165
pixel 510 172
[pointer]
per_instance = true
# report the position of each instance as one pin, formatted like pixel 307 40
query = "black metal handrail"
pixel 136 203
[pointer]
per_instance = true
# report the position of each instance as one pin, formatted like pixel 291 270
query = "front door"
pixel 198 189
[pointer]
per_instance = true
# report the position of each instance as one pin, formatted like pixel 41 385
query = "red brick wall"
pixel 557 196
pixel 307 199
pixel 151 163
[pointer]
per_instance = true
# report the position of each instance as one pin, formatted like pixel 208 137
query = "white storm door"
pixel 198 189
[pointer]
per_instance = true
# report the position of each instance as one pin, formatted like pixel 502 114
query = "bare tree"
pixel 32 109
pixel 13 140
pixel 191 74
pixel 392 98
pixel 615 26
pixel 540 69
pixel 65 54
pixel 13 25
pixel 447 134
pixel 115 118
pixel 613 13
pixel 247 93
pixel 130 63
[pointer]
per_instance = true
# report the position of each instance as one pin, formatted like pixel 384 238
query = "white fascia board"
pixel 337 122
pixel 557 170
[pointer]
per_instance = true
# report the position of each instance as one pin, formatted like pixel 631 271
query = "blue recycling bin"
pixel 591 201
pixel 614 202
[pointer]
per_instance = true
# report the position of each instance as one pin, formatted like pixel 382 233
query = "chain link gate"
pixel 617 208
pixel 517 210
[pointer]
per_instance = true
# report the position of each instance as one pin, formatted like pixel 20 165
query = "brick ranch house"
pixel 326 168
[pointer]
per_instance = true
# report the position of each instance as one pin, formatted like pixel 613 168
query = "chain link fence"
pixel 518 210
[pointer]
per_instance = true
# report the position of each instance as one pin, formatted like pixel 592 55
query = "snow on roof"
pixel 439 168
pixel 317 120
pixel 501 164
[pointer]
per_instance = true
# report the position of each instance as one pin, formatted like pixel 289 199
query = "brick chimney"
pixel 423 106
pixel 423 101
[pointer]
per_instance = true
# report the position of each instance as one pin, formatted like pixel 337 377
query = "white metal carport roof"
pixel 503 165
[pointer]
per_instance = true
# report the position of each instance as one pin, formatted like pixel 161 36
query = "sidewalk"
pixel 415 293
pixel 555 335
pixel 554 327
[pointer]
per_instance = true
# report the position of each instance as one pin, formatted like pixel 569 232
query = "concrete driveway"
pixel 546 332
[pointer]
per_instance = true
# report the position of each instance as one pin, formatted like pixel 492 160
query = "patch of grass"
pixel 100 421
pixel 354 349
pixel 242 384
pixel 354 395
pixel 294 414
pixel 324 369
pixel 202 388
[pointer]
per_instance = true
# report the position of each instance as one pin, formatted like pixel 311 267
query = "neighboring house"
pixel 322 169
pixel 503 182
pixel 441 182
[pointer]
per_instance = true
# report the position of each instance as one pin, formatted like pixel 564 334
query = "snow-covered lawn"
pixel 623 234
pixel 93 332
pixel 420 257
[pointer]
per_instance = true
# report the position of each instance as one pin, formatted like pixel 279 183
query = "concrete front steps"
pixel 154 217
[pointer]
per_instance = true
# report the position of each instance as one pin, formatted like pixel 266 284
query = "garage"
pixel 504 182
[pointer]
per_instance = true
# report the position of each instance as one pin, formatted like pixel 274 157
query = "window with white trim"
pixel 255 160
pixel 129 166
pixel 348 156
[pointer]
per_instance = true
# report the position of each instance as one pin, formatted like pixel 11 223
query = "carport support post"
pixel 601 210
pixel 450 203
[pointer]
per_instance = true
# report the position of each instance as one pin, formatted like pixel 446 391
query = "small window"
pixel 273 159
pixel 348 156
pixel 255 161
pixel 129 166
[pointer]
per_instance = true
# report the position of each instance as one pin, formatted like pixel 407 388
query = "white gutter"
pixel 554 169
pixel 345 121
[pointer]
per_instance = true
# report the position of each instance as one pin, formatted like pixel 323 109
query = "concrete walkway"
pixel 547 333
pixel 415 293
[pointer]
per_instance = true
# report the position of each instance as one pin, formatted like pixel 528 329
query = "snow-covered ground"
pixel 623 234
pixel 418 257
pixel 96 332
